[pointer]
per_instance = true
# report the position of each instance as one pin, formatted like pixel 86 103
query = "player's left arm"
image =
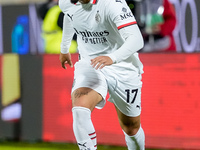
pixel 129 31
pixel 133 43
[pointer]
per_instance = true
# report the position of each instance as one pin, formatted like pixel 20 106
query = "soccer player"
pixel 108 40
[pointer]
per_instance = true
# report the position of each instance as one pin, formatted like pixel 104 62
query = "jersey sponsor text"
pixel 126 15
pixel 93 37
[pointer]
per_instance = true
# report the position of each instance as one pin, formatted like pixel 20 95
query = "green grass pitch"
pixel 50 146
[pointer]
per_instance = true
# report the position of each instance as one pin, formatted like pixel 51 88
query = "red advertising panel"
pixel 57 83
pixel 170 103
pixel 170 100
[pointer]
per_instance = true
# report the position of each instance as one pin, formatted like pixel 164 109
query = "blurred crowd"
pixel 157 20
pixel 52 24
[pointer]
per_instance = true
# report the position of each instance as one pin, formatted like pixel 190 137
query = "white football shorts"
pixel 123 83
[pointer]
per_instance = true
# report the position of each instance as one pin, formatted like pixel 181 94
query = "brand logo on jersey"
pixel 98 17
pixel 126 15
pixel 138 106
pixel 83 146
pixel 70 16
pixel 93 37
pixel 124 9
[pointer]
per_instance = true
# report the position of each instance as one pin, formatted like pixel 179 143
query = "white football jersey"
pixel 97 25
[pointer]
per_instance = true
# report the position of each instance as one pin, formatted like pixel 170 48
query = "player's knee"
pixel 131 127
pixel 130 130
pixel 85 97
pixel 79 97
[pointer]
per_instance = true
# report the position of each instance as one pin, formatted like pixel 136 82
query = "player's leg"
pixel 89 91
pixel 85 97
pixel 84 101
pixel 125 93
pixel 134 134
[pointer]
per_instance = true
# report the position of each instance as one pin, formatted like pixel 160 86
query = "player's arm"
pixel 68 32
pixel 126 24
pixel 133 43
pixel 129 31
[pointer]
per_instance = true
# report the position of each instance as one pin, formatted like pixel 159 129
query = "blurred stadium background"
pixel 35 106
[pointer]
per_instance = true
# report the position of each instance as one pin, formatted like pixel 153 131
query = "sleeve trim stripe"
pixel 125 25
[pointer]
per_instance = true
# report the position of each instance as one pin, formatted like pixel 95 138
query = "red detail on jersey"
pixel 125 25
pixel 94 1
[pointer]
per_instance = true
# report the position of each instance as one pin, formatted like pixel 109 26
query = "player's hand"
pixel 101 61
pixel 65 59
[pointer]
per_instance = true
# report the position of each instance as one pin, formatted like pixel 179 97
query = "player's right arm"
pixel 65 59
pixel 68 32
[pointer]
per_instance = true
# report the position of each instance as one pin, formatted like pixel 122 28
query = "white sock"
pixel 137 141
pixel 83 128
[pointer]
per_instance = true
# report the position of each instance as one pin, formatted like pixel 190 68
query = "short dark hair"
pixel 74 1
